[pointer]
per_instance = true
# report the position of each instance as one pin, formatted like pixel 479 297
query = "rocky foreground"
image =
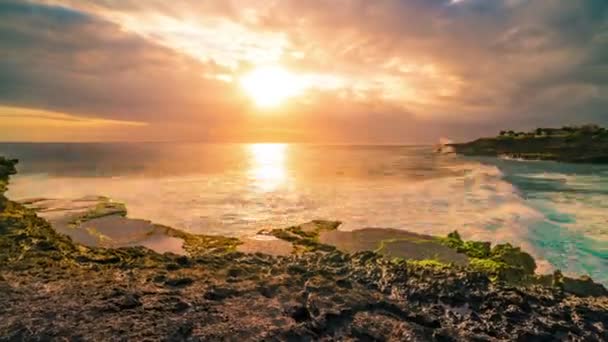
pixel 319 284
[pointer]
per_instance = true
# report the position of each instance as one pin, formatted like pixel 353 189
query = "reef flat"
pixel 306 282
pixel 584 144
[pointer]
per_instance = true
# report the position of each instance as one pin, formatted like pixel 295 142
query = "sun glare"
pixel 271 86
pixel 268 170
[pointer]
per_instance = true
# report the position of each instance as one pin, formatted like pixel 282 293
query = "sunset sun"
pixel 303 170
pixel 271 86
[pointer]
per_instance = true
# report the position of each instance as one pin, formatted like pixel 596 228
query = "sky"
pixel 341 71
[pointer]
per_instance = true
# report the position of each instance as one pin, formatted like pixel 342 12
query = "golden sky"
pixel 343 71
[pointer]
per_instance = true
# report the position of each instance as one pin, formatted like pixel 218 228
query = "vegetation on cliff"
pixel 584 144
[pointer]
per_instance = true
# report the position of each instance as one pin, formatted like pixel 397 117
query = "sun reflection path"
pixel 268 169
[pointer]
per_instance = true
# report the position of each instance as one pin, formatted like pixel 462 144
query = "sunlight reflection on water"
pixel 268 166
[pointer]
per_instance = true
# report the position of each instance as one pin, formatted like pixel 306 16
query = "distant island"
pixel 572 144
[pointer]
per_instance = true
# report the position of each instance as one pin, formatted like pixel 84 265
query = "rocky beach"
pixel 83 270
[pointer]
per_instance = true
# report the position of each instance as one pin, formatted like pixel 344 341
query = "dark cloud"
pixel 468 67
pixel 60 59
pixel 519 61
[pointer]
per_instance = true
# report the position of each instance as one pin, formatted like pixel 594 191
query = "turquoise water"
pixel 573 199
pixel 555 211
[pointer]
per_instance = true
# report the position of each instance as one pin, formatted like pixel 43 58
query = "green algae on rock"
pixel 501 262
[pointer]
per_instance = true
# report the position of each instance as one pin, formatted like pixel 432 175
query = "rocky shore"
pixel 74 277
pixel 585 144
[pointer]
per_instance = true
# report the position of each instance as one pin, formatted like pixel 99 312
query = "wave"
pixel 511 158
pixel 547 175
pixel 470 197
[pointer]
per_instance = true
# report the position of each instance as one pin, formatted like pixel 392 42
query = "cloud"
pixel 406 70
pixel 28 116
pixel 61 59
pixel 17 124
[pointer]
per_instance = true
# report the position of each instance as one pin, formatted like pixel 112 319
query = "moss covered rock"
pixel 473 249
pixel 305 237
pixel 513 256
pixel 503 262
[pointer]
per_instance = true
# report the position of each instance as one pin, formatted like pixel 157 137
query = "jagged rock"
pixel 220 293
pixel 583 286
pixel 513 256
pixel 128 301
pixel 179 282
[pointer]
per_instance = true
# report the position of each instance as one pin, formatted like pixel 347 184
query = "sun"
pixel 270 86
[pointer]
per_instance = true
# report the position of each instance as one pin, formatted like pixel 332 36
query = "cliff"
pixel 586 144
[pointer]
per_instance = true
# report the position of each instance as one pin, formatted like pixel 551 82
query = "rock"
pixel 172 267
pixel 159 278
pixel 299 313
pixel 179 282
pixel 183 261
pixel 393 243
pixel 514 256
pixel 344 283
pixel 182 332
pixel 266 244
pixel 181 306
pixel 235 272
pixel 220 293
pixel 129 301
pixel 583 287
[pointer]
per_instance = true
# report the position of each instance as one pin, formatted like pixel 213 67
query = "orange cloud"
pixel 374 70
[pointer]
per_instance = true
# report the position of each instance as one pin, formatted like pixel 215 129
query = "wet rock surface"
pixel 54 289
pixel 266 244
pixel 97 221
pixel 393 243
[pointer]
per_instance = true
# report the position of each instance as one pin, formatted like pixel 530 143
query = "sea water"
pixel 557 212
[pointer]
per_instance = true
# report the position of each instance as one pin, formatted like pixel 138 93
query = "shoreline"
pixel 98 221
pixel 376 283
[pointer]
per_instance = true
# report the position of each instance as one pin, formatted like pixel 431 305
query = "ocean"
pixel 557 212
